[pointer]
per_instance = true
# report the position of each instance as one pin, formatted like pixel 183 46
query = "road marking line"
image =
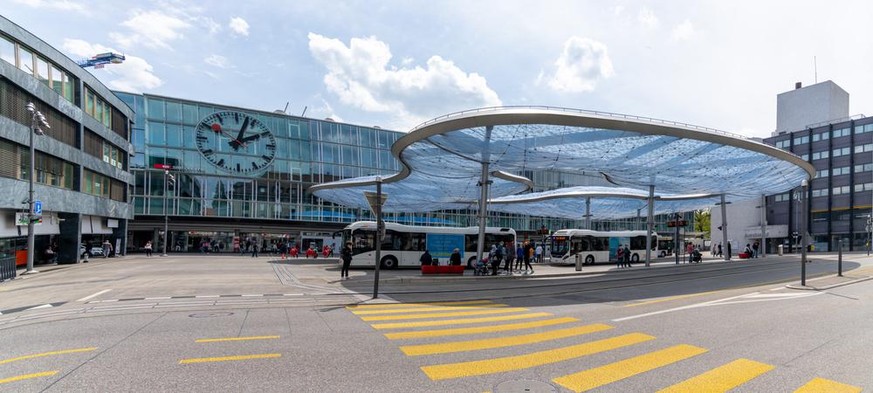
pixel 39 355
pixel 826 385
pixel 39 307
pixel 214 340
pixel 603 375
pixel 157 298
pixel 28 376
pixel 427 309
pixel 479 329
pixel 230 358
pixel 501 342
pixel 511 363
pixel 446 322
pixel 205 297
pixel 680 308
pixel 443 314
pixel 667 299
pixel 721 379
pixel 86 298
pixel 426 304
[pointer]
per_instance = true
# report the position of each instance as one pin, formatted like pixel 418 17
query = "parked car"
pixel 95 251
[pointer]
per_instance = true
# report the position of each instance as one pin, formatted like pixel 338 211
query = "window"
pixel 842 132
pixel 804 157
pixel 863 168
pixel 801 140
pixel 819 193
pixel 25 60
pixel 7 50
pixel 98 108
pixel 841 190
pixel 863 148
pixel 841 152
pixel 845 170
pixel 863 187
pixel 821 155
pixel 821 174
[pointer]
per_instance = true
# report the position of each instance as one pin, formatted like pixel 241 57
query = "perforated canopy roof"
pixel 442 160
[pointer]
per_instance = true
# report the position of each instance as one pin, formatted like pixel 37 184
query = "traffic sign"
pixel 162 166
pixel 37 207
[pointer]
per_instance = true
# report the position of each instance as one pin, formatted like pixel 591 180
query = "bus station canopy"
pixel 442 161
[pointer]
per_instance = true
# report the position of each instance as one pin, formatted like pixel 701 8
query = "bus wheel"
pixel 662 254
pixel 389 263
pixel 635 258
pixel 470 262
pixel 589 260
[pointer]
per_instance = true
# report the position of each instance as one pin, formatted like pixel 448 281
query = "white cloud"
pixel 647 18
pixel 239 26
pixel 581 64
pixel 153 29
pixel 683 31
pixel 63 5
pixel 133 75
pixel 217 61
pixel 360 74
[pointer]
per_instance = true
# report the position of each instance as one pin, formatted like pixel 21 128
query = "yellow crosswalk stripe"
pixel 425 304
pixel 443 314
pixel 28 376
pixel 478 329
pixel 447 322
pixel 426 309
pixel 230 358
pixel 596 377
pixel 39 355
pixel 721 379
pixel 510 363
pixel 500 342
pixel 821 385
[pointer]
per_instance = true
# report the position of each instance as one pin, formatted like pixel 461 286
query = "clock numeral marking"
pixel 236 117
pixel 271 147
pixel 238 168
pixel 254 166
pixel 265 134
pixel 220 162
pixel 208 152
pixel 218 116
pixel 267 158
pixel 201 138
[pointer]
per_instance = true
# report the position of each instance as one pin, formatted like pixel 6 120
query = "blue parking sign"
pixel 37 207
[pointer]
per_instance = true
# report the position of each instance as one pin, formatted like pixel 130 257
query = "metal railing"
pixel 7 268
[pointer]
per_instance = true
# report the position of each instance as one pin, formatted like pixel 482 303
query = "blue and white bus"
pixel 599 246
pixel 403 245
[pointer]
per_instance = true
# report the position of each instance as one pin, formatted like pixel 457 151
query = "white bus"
pixel 599 246
pixel 403 245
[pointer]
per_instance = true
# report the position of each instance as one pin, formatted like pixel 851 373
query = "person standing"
pixel 426 259
pixel 539 253
pixel 148 248
pixel 107 248
pixel 519 256
pixel 619 257
pixel 755 249
pixel 627 256
pixel 528 254
pixel 508 258
pixel 346 256
pixel 255 250
pixel 455 258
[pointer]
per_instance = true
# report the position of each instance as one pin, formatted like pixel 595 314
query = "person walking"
pixel 346 256
pixel 508 258
pixel 719 250
pixel 519 256
pixel 626 255
pixel 148 248
pixel 107 248
pixel 619 257
pixel 255 250
pixel 529 253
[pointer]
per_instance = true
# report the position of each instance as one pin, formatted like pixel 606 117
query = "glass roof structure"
pixel 442 162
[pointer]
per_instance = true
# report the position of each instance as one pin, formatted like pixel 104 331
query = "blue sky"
pixel 394 64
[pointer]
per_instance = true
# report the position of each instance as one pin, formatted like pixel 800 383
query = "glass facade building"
pixel 81 163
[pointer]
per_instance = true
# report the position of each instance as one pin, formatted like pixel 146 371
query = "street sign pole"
pixel 376 200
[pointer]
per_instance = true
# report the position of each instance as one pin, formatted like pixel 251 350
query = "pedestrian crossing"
pixel 462 329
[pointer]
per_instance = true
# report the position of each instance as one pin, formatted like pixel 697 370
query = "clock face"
pixel 236 142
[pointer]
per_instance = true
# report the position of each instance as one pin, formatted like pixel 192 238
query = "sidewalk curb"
pixel 826 287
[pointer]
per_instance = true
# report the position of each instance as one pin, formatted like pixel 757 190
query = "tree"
pixel 702 221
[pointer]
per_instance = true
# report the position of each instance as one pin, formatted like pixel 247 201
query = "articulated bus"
pixel 599 246
pixel 403 245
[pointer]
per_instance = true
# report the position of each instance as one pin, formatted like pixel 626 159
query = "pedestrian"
pixel 294 251
pixel 619 257
pixel 346 256
pixel 255 250
pixel 107 248
pixel 496 257
pixel 755 249
pixel 455 258
pixel 283 249
pixel 529 253
pixel 719 250
pixel 538 252
pixel 50 255
pixel 509 258
pixel 729 250
pixel 148 248
pixel 519 256
pixel 426 258
pixel 626 255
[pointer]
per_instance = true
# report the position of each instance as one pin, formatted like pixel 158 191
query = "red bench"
pixel 744 255
pixel 437 269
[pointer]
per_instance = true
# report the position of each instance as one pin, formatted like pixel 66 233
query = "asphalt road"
pixel 229 323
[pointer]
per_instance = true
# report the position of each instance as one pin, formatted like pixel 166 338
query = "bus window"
pixel 638 243
pixel 363 241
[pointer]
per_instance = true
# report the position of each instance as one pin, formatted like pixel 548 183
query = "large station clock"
pixel 236 142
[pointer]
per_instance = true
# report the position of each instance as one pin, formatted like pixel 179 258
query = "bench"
pixel 437 269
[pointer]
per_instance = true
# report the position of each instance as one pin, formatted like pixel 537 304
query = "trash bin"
pixel 578 263
pixel 780 249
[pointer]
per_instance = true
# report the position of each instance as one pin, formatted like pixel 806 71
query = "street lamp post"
pixel 168 179
pixel 37 119
pixel 377 200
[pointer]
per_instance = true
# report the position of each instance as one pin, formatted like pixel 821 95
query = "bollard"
pixel 781 248
pixel 840 258
pixel 578 263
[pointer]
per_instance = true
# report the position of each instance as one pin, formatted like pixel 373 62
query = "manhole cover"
pixel 211 315
pixel 524 385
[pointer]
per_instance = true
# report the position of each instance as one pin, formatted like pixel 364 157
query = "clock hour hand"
pixel 250 138
pixel 242 132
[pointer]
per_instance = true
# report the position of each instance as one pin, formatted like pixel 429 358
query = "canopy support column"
pixel 724 227
pixel 484 182
pixel 650 225
pixel 587 212
pixel 763 246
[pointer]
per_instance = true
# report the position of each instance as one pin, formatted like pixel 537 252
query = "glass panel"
pixel 174 112
pixel 68 87
pixel 89 102
pixel 7 50
pixel 189 114
pixel 174 135
pixel 42 69
pixel 25 60
pixel 155 109
pixel 156 134
pixel 98 110
pixel 57 80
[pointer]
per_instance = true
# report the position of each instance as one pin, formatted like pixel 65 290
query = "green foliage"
pixel 702 220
